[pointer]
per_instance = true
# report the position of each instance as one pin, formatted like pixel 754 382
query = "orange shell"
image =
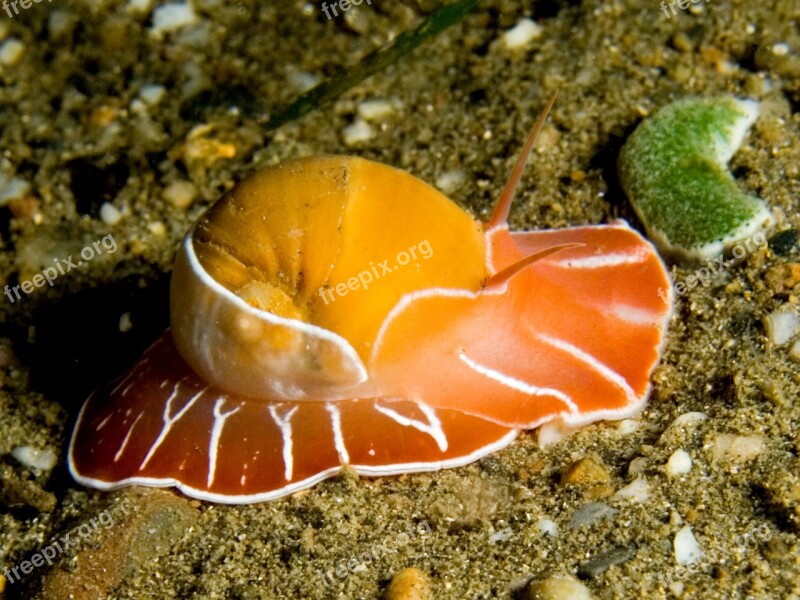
pixel 266 286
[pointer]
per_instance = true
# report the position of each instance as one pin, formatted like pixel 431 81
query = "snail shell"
pixel 249 307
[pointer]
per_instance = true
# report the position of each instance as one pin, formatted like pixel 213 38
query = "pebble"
pixel 110 214
pixel 737 448
pixel 557 587
pixel 680 463
pixel 687 549
pixel 590 513
pixel 12 189
pixel 11 51
pixel 157 228
pixel 449 181
pixel 586 471
pixel 301 80
pixel 636 491
pixel 125 323
pixel 783 278
pixel 409 584
pixel 145 524
pixel 782 325
pixel 628 426
pixel 139 6
pixel 181 193
pixel 172 16
pixel 548 527
pixel 373 110
pixel 601 562
pixel 794 352
pixel 357 132
pixel 29 456
pixel 152 94
pixel 682 424
pixel 522 34
pixel 501 536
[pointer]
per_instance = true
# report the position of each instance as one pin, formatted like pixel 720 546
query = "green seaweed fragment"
pixel 334 86
pixel 674 170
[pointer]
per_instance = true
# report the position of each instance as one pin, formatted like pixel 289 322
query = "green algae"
pixel 674 170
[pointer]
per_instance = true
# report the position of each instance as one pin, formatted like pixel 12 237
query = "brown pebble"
pixel 588 470
pixel 783 278
pixel 26 207
pixel 409 584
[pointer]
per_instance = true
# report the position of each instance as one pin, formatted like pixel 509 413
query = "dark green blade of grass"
pixel 433 25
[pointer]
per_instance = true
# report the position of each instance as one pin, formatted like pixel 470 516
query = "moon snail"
pixel 284 362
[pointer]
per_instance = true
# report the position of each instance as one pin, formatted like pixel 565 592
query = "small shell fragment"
pixel 687 549
pixel 522 34
pixel 29 456
pixel 782 326
pixel 680 463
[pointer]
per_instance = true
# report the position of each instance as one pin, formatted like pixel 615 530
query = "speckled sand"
pixel 95 147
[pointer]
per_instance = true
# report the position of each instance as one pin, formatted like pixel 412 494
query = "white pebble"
pixel 11 51
pixel 180 193
pixel 60 23
pixel 11 189
pixel 33 457
pixel 782 325
pixel 522 34
pixel 553 432
pixel 548 527
pixel 152 94
pixel 679 463
pixel 169 17
pixel 502 535
pixel 302 81
pixel 359 131
pixel 627 426
pixel 687 548
pixel 780 49
pixel 140 6
pixel 449 181
pixel 689 419
pixel 372 110
pixel 738 448
pixel 110 214
pixel 157 228
pixel 636 491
